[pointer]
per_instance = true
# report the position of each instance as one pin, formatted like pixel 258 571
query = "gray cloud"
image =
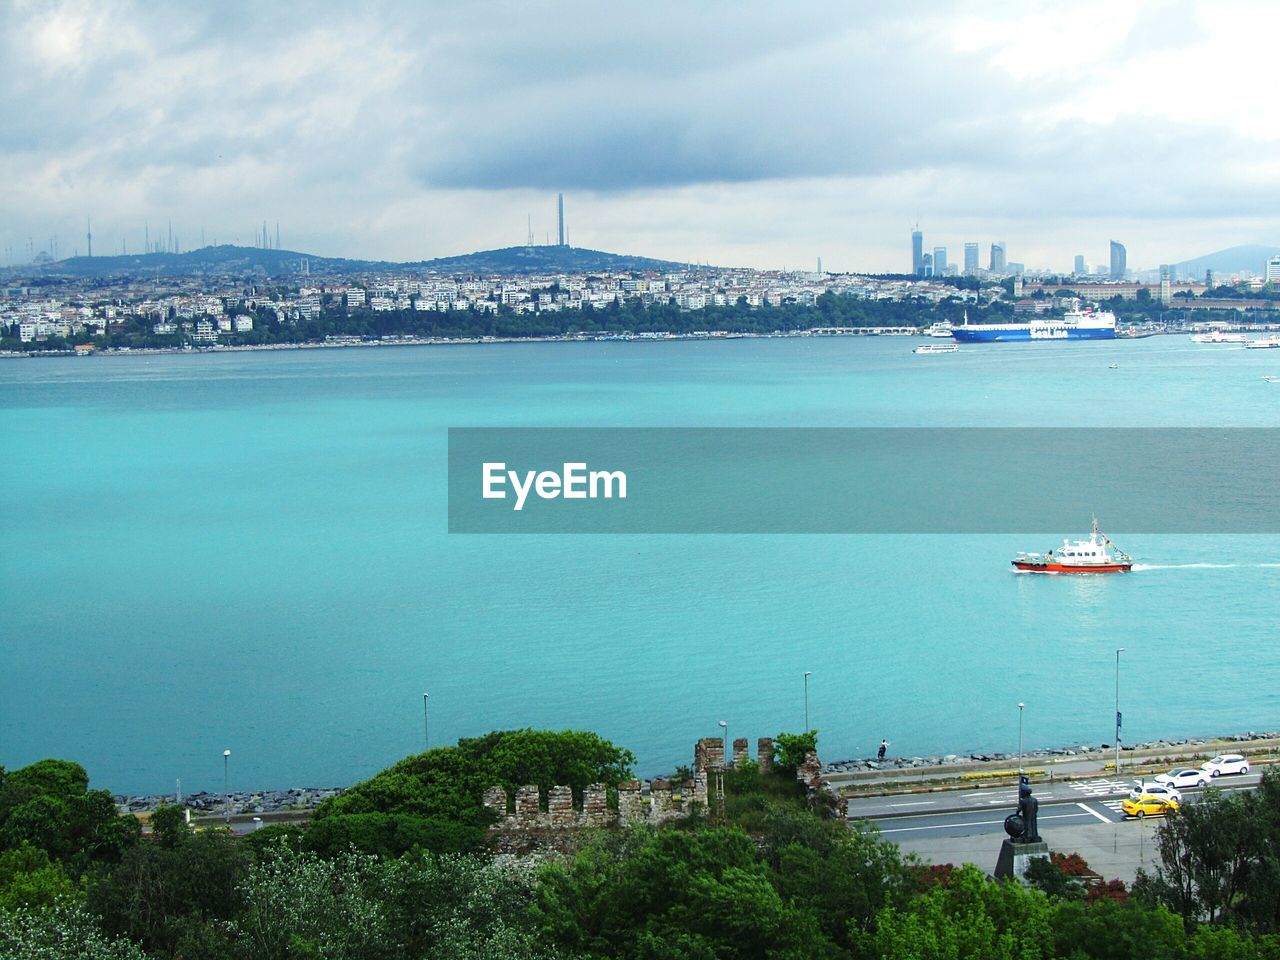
pixel 407 130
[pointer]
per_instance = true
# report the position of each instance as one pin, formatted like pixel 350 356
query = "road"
pixel 1081 816
pixel 1102 794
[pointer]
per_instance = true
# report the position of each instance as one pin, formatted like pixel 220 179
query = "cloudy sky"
pixel 760 134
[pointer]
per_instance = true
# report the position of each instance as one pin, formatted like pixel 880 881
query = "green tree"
pixel 64 932
pixel 28 878
pixel 789 749
pixel 1206 851
pixel 448 783
pixel 158 896
pixel 969 919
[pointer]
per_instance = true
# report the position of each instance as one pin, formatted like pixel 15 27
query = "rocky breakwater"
pixel 1050 755
pixel 234 803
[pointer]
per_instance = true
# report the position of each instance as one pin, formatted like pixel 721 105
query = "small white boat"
pixel 1219 336
pixel 1265 343
pixel 936 348
pixel 942 329
pixel 1271 379
pixel 1113 366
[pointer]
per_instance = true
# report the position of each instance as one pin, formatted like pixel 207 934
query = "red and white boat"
pixel 1077 556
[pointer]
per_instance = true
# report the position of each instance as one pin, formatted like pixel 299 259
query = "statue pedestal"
pixel 1015 856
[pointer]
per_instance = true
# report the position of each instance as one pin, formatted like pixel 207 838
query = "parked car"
pixel 1184 777
pixel 1225 763
pixel 1148 806
pixel 1160 790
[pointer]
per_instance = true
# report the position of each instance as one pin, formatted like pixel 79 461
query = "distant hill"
pixel 1250 256
pixel 228 260
pixel 544 259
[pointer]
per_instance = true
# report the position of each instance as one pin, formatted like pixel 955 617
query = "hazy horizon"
pixel 741 135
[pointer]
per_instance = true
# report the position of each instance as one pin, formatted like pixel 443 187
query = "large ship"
pixel 1075 324
pixel 1077 556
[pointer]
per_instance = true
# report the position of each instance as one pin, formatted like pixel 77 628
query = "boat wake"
pixel 1137 567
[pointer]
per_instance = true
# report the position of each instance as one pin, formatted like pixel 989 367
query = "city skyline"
pixel 765 138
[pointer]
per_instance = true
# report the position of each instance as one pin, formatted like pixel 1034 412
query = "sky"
pixel 733 133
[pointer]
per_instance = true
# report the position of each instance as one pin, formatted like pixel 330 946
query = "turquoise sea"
pixel 249 551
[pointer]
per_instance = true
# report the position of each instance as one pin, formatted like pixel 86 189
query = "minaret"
pixel 560 210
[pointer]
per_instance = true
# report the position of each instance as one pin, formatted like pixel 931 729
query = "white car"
pixel 1184 777
pixel 1225 763
pixel 1162 791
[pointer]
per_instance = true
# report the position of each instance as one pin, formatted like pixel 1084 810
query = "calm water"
pixel 249 551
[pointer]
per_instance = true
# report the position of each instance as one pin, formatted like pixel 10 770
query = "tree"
pixel 789 749
pixel 1205 855
pixel 448 783
pixel 65 932
pixel 159 895
pixel 28 878
pixel 169 825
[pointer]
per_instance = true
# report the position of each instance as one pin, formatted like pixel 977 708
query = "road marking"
pixel 916 803
pixel 978 823
pixel 1088 809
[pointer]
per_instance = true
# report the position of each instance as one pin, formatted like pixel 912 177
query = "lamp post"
pixel 806 700
pixel 1118 652
pixel 426 723
pixel 1020 707
pixel 226 786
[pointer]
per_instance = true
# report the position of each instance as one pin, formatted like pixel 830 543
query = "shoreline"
pixel 301 799
pixel 476 341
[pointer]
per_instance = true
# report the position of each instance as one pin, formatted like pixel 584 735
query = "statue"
pixel 1024 835
pixel 1021 825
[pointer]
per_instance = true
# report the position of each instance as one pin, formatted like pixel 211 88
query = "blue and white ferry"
pixel 1075 324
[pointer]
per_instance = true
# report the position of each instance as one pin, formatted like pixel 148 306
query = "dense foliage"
pixel 759 877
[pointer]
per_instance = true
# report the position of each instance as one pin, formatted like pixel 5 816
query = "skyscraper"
pixel 1079 270
pixel 917 252
pixel 926 265
pixel 1272 272
pixel 970 258
pixel 939 261
pixel 997 257
pixel 1118 258
pixel 560 212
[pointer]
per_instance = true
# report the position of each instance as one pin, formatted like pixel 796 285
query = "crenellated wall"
pixel 655 801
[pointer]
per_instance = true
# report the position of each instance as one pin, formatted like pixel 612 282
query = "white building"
pixel 1272 274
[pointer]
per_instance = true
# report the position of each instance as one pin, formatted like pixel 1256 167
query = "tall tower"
pixel 970 259
pixel 560 216
pixel 1166 284
pixel 88 234
pixel 1118 258
pixel 1078 266
pixel 939 261
pixel 998 257
pixel 917 251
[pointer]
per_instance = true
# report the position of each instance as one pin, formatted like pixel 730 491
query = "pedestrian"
pixel 884 745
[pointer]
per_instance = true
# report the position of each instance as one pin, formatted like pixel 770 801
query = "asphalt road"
pixel 1087 803
pixel 1108 791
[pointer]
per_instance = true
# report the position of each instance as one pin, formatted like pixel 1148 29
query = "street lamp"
pixel 1020 706
pixel 426 723
pixel 806 700
pixel 1118 652
pixel 226 786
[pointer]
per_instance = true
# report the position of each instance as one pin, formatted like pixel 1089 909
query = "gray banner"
pixel 863 480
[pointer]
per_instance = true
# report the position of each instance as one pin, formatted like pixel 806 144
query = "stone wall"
pixel 655 801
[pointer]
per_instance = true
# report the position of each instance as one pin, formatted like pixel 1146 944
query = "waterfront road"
pixel 1101 793
pixel 946 828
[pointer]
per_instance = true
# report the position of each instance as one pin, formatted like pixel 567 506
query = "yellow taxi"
pixel 1147 805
